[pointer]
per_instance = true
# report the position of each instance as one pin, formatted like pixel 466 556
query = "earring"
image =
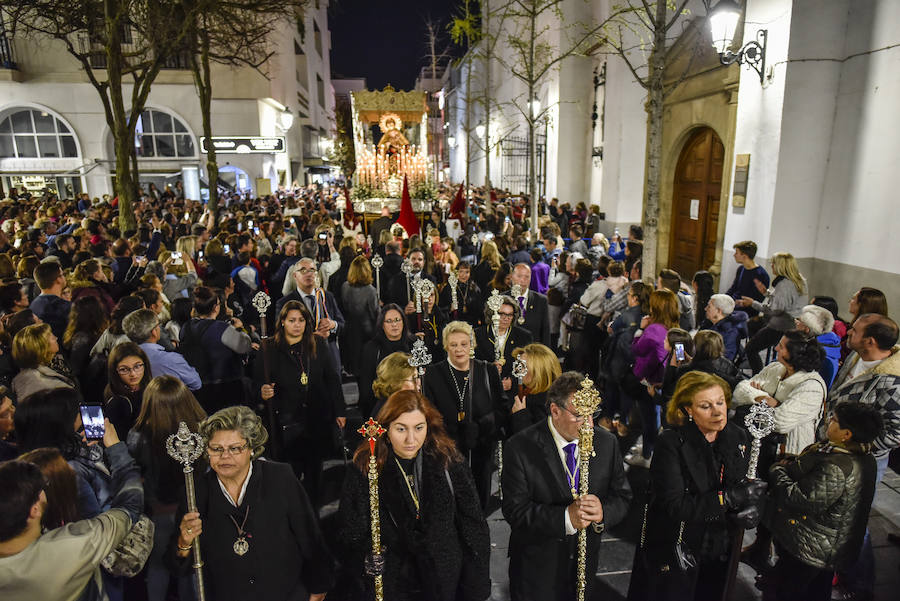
pixel 690 417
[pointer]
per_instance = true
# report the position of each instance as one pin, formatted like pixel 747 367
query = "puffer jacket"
pixel 820 503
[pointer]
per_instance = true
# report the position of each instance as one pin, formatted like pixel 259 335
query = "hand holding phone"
pixel 93 421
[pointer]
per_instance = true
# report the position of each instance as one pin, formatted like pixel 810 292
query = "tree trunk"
pixel 468 126
pixel 122 128
pixel 655 100
pixel 487 104
pixel 203 82
pixel 532 148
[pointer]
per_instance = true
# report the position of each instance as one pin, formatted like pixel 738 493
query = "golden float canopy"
pixel 401 149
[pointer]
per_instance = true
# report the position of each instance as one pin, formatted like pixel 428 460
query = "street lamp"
pixel 479 130
pixel 535 106
pixel 723 20
pixel 451 141
pixel 285 119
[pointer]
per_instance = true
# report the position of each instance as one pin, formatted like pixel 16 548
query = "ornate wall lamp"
pixel 723 20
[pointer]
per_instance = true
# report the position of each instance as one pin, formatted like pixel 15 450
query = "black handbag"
pixel 678 557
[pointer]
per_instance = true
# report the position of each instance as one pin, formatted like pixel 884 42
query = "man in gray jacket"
pixel 63 563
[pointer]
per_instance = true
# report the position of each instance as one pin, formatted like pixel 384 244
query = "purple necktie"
pixel 522 303
pixel 572 463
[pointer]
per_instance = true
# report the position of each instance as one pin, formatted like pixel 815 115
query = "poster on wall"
pixel 695 209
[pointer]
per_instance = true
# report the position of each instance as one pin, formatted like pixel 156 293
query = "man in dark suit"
pixel 532 305
pixel 382 223
pixel 511 337
pixel 540 474
pixel 329 319
pixel 399 291
pixel 392 261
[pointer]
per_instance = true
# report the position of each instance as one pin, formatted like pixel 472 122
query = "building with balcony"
pixel 53 132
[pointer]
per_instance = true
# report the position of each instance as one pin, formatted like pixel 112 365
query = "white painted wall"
pixel 758 133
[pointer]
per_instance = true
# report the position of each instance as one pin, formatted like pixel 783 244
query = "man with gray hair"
pixel 722 318
pixel 142 327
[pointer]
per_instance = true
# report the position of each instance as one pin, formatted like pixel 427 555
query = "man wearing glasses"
pixel 540 502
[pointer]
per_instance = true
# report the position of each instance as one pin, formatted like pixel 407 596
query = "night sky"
pixel 384 40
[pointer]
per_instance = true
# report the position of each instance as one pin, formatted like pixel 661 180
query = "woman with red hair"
pixel 436 543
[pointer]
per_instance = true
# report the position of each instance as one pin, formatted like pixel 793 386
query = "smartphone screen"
pixel 679 351
pixel 92 420
pixel 227 249
pixel 256 231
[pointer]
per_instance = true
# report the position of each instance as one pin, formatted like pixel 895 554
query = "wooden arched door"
pixel 695 203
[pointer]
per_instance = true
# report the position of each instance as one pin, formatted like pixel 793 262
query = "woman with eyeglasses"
pixel 167 402
pixel 506 337
pixel 258 532
pixel 435 538
pixel 128 373
pixel 295 376
pixel 391 336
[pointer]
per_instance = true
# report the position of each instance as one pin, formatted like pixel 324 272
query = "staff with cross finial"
pixel 372 431
pixel 586 401
pixel 378 263
pixel 186 447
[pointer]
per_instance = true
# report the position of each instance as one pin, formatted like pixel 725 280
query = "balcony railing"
pixel 97 60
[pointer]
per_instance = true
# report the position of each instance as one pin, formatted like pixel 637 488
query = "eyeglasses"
pixel 396 320
pixel 305 270
pixel 125 370
pixel 232 450
pixel 506 315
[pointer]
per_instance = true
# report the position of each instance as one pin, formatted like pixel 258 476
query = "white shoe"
pixel 637 461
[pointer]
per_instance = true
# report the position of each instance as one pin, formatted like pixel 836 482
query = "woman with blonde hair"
pixel 392 374
pixel 530 404
pixel 783 303
pixel 360 304
pixel 467 392
pixel 33 348
pixel 700 496
pixel 490 261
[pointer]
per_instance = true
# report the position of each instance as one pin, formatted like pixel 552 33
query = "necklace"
pixel 241 546
pixel 465 297
pixel 409 479
pixel 298 355
pixel 572 478
pixel 461 414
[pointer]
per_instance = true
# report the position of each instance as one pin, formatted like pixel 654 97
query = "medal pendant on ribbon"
pixel 241 546
pixel 521 320
pixel 460 416
pixel 574 493
pixel 465 309
pixel 304 379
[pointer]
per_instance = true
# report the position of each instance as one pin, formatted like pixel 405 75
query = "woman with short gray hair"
pixel 261 539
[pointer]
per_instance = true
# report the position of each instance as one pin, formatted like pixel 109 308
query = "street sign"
pixel 244 145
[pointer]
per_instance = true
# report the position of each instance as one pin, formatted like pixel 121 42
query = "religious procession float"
pixel 390 135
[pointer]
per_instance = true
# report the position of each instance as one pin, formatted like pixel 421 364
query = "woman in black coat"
pixel 391 336
pixel 435 538
pixel 467 393
pixel 698 494
pixel 295 376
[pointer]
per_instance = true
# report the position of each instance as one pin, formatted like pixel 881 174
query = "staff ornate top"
pixel 377 261
pixel 371 431
pixel 419 357
pixel 587 399
pixel 519 367
pixel 406 266
pixel 261 302
pixel 494 301
pixel 185 446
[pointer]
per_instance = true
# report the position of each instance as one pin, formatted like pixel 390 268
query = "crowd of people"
pixel 111 338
